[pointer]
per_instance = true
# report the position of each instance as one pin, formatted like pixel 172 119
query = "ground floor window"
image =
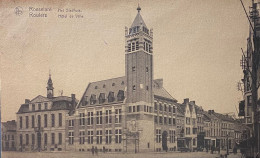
pixel 81 137
pixel 118 135
pixel 99 136
pixel 71 137
pixel 172 136
pixel 108 136
pixel 158 136
pixel 90 137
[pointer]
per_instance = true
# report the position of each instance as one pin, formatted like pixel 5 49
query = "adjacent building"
pixel 41 122
pixel 8 133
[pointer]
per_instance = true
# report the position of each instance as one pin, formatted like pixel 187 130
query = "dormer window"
pixel 93 99
pixel 102 98
pixel 120 95
pixel 111 97
pixel 85 101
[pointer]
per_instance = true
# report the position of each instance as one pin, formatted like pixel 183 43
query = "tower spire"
pixel 138 8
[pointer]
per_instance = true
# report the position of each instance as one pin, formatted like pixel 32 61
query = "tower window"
pixel 133 68
pixel 129 47
pixel 134 87
pixel 133 46
pixel 137 45
pixel 146 47
pixel 147 69
pixel 147 88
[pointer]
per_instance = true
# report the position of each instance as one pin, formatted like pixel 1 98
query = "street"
pixel 112 155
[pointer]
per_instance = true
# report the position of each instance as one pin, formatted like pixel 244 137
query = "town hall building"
pixel 132 113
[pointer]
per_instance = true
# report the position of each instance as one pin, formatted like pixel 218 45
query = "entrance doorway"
pixel 164 141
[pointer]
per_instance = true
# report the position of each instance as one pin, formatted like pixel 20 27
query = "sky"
pixel 197 48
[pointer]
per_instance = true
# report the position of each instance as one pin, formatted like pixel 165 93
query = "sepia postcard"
pixel 121 78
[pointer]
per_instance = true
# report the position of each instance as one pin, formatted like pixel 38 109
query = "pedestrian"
pixel 104 149
pixel 92 150
pixel 96 151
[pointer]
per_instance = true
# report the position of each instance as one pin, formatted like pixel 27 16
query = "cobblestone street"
pixel 112 155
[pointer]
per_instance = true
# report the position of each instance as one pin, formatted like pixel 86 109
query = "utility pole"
pixel 254 70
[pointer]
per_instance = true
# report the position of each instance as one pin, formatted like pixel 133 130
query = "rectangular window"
pixel 130 109
pixel 133 87
pixel 118 116
pixel 90 137
pixel 26 121
pixel 99 117
pixel 249 100
pixel 129 47
pixel 71 138
pixel 81 119
pixel 90 118
pixel 45 120
pixel 39 106
pixel 133 108
pixel 21 139
pixel 170 108
pixel 33 139
pixel 60 119
pixel 155 119
pixel 71 123
pixel 138 108
pixel 81 137
pixel 53 138
pixel 33 107
pixel 21 121
pixel 170 121
pixel 165 108
pixel 52 120
pixel 133 68
pixel 108 116
pixel 160 119
pixel 108 136
pixel 158 136
pixel 173 109
pixel 39 120
pixel 45 139
pixel 155 107
pixel 45 106
pixel 173 121
pixel 60 138
pixel 165 120
pixel 27 139
pixel 133 46
pixel 33 123
pixel 161 107
pixel 99 136
pixel 118 135
pixel 137 45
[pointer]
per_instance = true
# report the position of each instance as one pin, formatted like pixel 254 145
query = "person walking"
pixel 92 150
pixel 96 151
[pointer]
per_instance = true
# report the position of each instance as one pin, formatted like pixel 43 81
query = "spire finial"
pixel 49 73
pixel 138 8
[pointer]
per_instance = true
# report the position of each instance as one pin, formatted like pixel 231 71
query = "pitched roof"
pixel 59 103
pixel 224 117
pixel 138 21
pixel 159 90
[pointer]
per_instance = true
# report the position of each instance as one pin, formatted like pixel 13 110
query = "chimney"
pixel 27 101
pixel 159 82
pixel 186 100
pixel 192 102
pixel 73 100
pixel 209 112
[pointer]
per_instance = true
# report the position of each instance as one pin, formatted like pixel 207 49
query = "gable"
pixel 39 98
